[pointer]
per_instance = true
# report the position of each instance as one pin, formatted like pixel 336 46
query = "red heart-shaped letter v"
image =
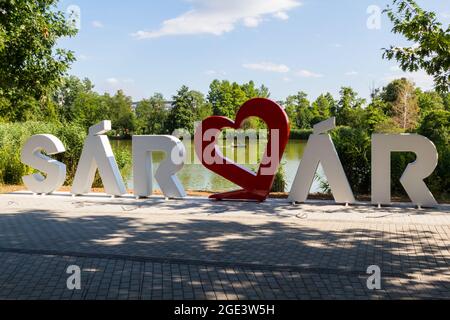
pixel 255 186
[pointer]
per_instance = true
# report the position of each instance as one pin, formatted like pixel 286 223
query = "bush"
pixel 354 148
pixel 301 134
pixel 399 163
pixel 280 184
pixel 436 127
pixel 14 135
pixel 124 162
pixel 439 182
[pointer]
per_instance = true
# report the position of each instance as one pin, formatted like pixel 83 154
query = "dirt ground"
pixel 9 189
pixel 192 193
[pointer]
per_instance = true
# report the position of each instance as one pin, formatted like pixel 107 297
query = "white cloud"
pixel 352 73
pixel 252 22
pixel 281 15
pixel 116 83
pixel 267 66
pixel 445 15
pixel 308 74
pixel 215 73
pixel 217 17
pixel 112 81
pixel 97 24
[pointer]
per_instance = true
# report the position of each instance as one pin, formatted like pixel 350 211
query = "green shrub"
pixel 354 148
pixel 280 184
pixel 436 127
pixel 438 182
pixel 324 185
pixel 124 162
pixel 14 135
pixel 300 134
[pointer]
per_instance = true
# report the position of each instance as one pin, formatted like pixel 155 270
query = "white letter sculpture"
pixel 143 147
pixel 97 153
pixel 321 150
pixel 412 180
pixel 56 171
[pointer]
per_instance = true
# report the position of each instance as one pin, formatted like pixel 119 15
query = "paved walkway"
pixel 197 249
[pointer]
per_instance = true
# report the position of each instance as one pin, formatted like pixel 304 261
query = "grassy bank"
pixel 13 137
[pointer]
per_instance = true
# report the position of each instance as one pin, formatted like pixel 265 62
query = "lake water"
pixel 197 178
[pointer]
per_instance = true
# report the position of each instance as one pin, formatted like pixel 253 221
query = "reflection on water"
pixel 197 177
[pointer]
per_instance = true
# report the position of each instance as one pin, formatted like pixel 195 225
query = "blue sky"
pixel 288 45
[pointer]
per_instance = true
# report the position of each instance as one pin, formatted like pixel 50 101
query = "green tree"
pixel 185 109
pixel 353 146
pixel 120 113
pixel 375 120
pixel 226 98
pixel 204 110
pixel 429 101
pixel 151 115
pixel 220 97
pixel 31 66
pixel 251 91
pixel 66 95
pixel 88 108
pixel 403 103
pixel 263 92
pixel 299 109
pixel 349 108
pixel 431 51
pixel 446 100
pixel 238 97
pixel 436 127
pixel 322 108
pixel 292 114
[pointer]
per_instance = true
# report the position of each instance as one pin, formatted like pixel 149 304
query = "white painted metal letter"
pixel 413 179
pixel 55 171
pixel 97 153
pixel 143 147
pixel 321 150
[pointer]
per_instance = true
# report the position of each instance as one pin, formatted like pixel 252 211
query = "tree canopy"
pixel 431 42
pixel 30 64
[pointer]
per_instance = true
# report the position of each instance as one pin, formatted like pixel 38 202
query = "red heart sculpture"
pixel 254 186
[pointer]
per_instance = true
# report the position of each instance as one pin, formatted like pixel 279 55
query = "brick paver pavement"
pixel 197 249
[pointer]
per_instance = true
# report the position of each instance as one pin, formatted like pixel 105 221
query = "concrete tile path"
pixel 198 249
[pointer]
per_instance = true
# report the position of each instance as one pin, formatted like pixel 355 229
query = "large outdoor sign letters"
pixel 98 155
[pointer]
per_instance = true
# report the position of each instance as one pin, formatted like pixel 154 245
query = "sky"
pixel 315 46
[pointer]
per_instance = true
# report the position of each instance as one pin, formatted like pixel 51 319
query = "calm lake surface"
pixel 197 178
